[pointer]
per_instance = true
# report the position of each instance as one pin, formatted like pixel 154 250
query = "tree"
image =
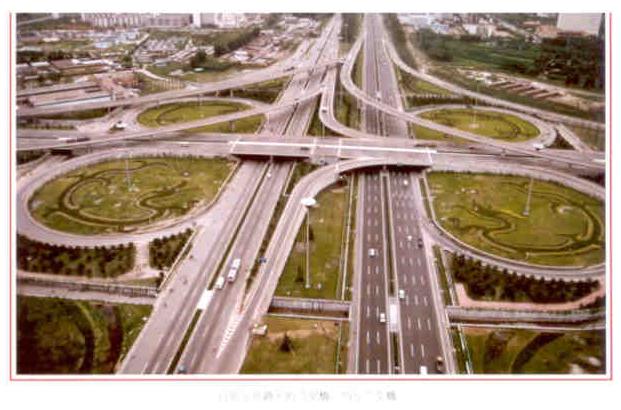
pixel 287 344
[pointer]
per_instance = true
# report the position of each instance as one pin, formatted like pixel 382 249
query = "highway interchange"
pixel 398 323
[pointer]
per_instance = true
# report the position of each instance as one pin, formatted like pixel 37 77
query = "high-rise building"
pixel 587 23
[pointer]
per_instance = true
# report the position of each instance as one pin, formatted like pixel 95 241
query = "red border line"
pixel 610 182
pixel 10 298
pixel 270 379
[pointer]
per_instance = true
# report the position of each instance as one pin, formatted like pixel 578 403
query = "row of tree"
pixel 164 251
pixel 399 38
pixel 490 283
pixel 99 261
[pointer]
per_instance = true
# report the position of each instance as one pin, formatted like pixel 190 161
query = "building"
pixel 220 20
pixel 546 31
pixel 585 23
pixel 170 20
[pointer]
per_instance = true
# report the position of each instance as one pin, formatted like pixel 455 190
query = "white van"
pixel 233 270
pixel 423 370
pixel 220 282
pixel 382 317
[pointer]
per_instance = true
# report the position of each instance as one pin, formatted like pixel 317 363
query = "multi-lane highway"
pixel 399 324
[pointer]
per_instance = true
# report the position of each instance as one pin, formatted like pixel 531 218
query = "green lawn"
pixel 118 196
pixel 58 336
pixel 314 348
pixel 424 133
pixel 564 227
pixel 495 125
pixel 327 221
pixel 191 111
pixel 496 351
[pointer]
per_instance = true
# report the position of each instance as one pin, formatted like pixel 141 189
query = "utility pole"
pixel 308 284
pixel 528 198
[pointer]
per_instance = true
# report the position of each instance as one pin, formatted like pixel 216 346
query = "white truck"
pixel 220 282
pixel 234 269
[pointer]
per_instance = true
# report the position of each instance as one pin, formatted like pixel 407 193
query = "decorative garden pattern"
pixel 560 226
pixel 123 195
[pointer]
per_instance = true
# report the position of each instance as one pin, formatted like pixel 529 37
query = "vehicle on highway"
pixel 324 108
pixel 401 294
pixel 378 95
pixel 423 370
pixel 234 269
pixel 372 252
pixel 304 148
pixel 420 242
pixel 440 364
pixel 382 317
pixel 220 282
pixel 119 125
pixel 405 182
pixel 182 369
pixel 409 238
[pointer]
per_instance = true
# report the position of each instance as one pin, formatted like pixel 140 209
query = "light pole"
pixel 308 203
pixel 527 206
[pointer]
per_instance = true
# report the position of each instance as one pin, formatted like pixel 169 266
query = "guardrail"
pixel 324 306
pixel 88 285
pixel 459 314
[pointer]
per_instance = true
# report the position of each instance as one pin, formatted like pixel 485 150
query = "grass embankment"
pixel 311 348
pixel 102 262
pixel 326 230
pixel 495 125
pixel 524 351
pixel 78 115
pixel 120 196
pixel 563 226
pixel 192 111
pixel 57 336
pixel 594 138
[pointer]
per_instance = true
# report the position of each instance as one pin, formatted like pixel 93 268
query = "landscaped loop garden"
pixel 124 194
pixel 556 226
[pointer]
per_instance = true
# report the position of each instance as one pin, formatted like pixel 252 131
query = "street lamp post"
pixel 308 203
pixel 528 198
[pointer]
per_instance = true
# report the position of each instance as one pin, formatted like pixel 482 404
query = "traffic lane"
pixel 421 342
pixel 373 356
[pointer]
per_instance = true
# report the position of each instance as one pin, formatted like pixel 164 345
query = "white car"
pixel 406 182
pixel 372 252
pixel 382 317
pixel 401 294
pixel 220 282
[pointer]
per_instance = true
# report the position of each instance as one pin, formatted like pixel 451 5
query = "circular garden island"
pixel 560 226
pixel 492 124
pixel 123 195
pixel 180 112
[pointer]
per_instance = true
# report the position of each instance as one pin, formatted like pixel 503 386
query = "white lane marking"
pixel 409 323
pixel 422 350
pixel 368 338
pixel 377 339
pixel 379 370
pixel 376 290
pixel 418 261
pixel 411 262
pixel 418 323
pixel 405 280
pixel 412 350
pixel 425 301
pixel 402 260
pixel 377 311
pixel 428 324
pixel 368 366
pixel 413 279
pixel 377 270
pixel 368 311
pixel 416 300
pixel 368 270
pixel 407 300
pixel 368 289
pixel 422 280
